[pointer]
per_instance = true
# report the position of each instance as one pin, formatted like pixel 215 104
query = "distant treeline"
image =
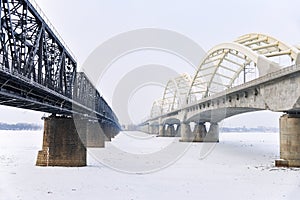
pixel 245 129
pixel 20 126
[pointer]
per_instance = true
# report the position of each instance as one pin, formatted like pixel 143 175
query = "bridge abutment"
pixel 289 141
pixel 62 145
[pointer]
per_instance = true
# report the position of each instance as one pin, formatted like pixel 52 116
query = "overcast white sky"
pixel 84 25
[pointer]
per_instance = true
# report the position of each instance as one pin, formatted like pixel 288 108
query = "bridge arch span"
pixel 175 92
pixel 222 67
pixel 156 108
pixel 269 46
pixel 228 64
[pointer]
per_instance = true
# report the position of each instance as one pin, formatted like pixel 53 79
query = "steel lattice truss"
pixel 38 71
pixel 227 65
pixel 30 49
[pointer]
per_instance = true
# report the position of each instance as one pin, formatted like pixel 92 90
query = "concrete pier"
pixel 95 137
pixel 161 130
pixel 289 141
pixel 153 129
pixel 178 131
pixel 107 131
pixel 62 145
pixel 186 133
pixel 199 132
pixel 213 133
pixel 170 131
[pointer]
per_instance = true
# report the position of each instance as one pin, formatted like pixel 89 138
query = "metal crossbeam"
pixel 38 71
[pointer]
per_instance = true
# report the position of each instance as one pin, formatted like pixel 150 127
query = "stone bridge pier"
pixel 153 129
pixel 289 141
pixel 95 137
pixel 109 130
pixel 66 138
pixel 63 143
pixel 161 130
pixel 170 132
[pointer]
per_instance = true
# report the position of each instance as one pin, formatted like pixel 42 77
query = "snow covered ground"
pixel 241 166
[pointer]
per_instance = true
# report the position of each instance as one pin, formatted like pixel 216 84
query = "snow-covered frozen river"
pixel 241 166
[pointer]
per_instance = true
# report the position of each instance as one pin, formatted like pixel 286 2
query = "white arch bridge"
pixel 255 72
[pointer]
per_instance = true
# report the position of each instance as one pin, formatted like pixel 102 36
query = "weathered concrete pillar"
pixel 213 133
pixel 149 129
pixel 113 132
pixel 107 131
pixel 62 145
pixel 95 136
pixel 289 141
pixel 116 131
pixel 186 133
pixel 178 131
pixel 161 131
pixel 173 132
pixel 170 131
pixel 152 129
pixel 156 130
pixel 200 132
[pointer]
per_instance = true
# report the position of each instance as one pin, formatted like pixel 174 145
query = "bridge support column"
pixel 200 132
pixel 62 145
pixel 107 130
pixel 116 131
pixel 149 129
pixel 289 141
pixel 213 133
pixel 178 131
pixel 186 133
pixel 152 129
pixel 156 130
pixel 161 131
pixel 170 131
pixel 95 135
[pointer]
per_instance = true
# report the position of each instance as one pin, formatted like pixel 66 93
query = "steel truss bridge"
pixel 38 71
